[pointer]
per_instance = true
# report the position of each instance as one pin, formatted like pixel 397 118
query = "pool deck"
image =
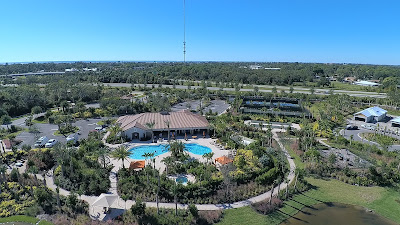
pixel 208 142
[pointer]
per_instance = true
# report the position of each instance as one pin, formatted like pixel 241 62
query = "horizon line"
pixel 179 61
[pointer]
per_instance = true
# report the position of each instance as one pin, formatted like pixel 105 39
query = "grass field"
pixel 296 158
pixel 26 219
pixel 384 201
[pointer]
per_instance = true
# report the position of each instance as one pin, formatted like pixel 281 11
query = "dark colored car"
pixel 350 127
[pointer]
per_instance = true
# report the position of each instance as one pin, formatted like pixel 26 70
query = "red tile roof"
pixel 223 160
pixel 178 120
pixel 137 165
pixel 7 143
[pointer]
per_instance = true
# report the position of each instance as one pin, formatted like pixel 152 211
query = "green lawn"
pixel 296 158
pixel 26 219
pixel 393 112
pixel 384 201
pixel 379 138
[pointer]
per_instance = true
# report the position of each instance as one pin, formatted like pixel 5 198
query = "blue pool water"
pixel 181 180
pixel 138 152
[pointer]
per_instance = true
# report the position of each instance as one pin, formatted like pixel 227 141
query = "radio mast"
pixel 184 32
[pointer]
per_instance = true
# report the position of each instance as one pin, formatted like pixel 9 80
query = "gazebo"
pixel 105 201
pixel 137 165
pixel 223 160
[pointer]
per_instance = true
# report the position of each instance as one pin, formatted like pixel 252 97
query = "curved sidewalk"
pixel 97 212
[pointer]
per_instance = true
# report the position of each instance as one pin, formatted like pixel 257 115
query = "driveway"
pixel 357 137
pixel 20 122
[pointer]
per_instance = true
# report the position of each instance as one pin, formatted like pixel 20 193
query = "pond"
pixel 335 214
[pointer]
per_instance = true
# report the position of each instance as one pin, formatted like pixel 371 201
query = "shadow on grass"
pixel 299 209
pixel 315 199
pixel 308 206
pixel 290 216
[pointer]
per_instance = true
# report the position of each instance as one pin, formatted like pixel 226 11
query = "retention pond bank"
pixel 335 214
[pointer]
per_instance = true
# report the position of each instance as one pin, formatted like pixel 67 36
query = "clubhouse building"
pixel 141 126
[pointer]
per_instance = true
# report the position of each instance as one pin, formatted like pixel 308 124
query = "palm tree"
pixel 64 105
pixel 176 148
pixel 102 154
pixel 151 126
pixel 61 154
pixel 168 123
pixel 174 191
pixel 168 161
pixel 115 130
pixel 158 192
pixel 3 178
pixel 287 186
pixel 272 191
pixel 121 153
pixel 208 156
pixel 279 180
pixel 146 156
pixel 312 90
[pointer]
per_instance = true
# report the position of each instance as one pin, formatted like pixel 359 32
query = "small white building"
pixel 371 115
pixel 366 83
pixel 255 67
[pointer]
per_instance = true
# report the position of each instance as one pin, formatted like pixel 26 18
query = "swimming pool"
pixel 138 152
pixel 181 180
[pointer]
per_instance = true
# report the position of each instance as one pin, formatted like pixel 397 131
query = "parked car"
pixel 98 128
pixel 19 164
pixel 41 142
pixel 351 127
pixel 73 138
pixel 50 143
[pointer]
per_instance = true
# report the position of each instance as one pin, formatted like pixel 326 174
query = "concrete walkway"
pixel 120 205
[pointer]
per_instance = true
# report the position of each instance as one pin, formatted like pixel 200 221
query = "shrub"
pixel 210 217
pixel 193 210
pixel 264 207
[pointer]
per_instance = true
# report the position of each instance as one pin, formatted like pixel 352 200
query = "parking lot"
pixel 344 158
pixel 383 126
pixel 85 126
pixel 379 127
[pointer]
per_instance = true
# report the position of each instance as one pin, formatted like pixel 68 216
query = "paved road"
pixel 119 204
pixel 322 90
pixel 357 137
pixel 20 122
pixel 296 90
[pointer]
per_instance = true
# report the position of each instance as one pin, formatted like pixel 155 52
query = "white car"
pixel 41 142
pixel 50 143
pixel 19 164
pixel 73 138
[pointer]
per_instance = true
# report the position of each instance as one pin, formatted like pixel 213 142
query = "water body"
pixel 336 214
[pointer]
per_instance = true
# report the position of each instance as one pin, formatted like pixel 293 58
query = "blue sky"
pixel 216 30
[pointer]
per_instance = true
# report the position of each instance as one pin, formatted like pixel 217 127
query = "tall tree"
pixel 121 153
pixel 150 125
pixel 168 123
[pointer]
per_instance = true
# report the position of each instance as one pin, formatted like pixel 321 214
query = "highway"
pixel 295 89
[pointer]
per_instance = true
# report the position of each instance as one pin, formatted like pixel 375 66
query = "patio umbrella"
pixel 105 200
